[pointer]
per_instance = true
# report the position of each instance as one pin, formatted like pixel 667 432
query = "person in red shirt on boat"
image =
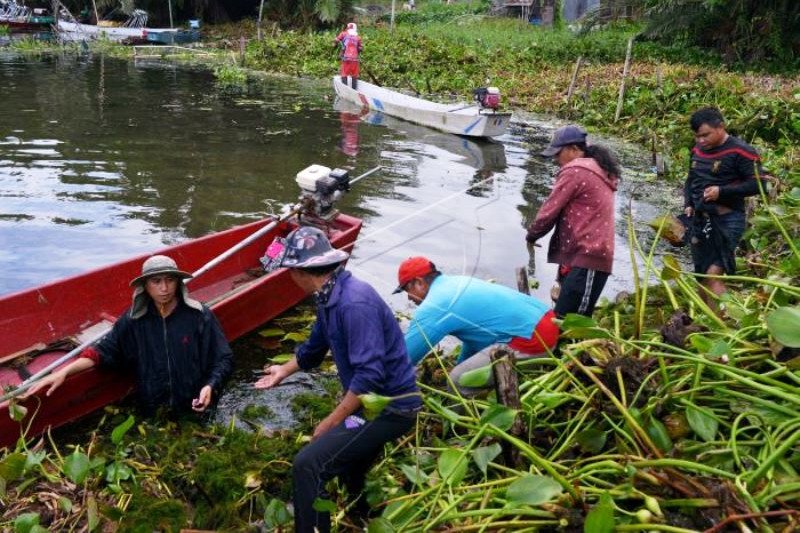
pixel 351 47
pixel 173 343
pixel 581 209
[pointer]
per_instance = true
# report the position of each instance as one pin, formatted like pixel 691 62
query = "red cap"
pixel 413 267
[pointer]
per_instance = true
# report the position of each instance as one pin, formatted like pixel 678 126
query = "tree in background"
pixel 742 30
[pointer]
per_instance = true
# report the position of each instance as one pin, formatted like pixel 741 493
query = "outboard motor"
pixel 320 188
pixel 487 97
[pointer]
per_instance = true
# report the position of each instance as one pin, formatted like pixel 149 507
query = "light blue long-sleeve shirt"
pixel 477 312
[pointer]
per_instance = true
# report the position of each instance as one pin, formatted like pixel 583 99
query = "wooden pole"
pixel 522 281
pixel 169 4
pixel 391 19
pixel 622 83
pixel 574 79
pixel 260 14
pixel 96 15
pixel 507 390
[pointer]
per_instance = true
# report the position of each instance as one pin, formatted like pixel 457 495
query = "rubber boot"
pixel 355 82
pixel 344 80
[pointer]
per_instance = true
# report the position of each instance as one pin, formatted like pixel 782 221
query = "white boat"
pixel 75 31
pixel 134 30
pixel 470 120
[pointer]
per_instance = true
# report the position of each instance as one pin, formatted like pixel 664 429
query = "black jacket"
pixel 172 358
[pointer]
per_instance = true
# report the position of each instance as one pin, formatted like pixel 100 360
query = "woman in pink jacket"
pixel 581 208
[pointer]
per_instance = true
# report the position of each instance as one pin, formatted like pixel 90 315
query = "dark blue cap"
pixel 565 136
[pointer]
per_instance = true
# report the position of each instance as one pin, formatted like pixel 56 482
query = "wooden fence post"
pixel 574 79
pixel 622 83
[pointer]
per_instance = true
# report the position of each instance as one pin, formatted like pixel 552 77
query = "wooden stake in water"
pixel 574 79
pixel 624 76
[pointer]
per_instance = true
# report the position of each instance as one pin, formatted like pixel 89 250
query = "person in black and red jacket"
pixel 724 170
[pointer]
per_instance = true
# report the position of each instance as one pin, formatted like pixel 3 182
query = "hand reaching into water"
pixel 203 400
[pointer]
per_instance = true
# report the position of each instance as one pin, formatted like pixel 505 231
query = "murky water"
pixel 101 159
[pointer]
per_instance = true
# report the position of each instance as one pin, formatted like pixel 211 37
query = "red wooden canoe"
pixel 40 325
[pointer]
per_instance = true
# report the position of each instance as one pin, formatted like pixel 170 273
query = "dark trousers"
pixel 344 453
pixel 580 289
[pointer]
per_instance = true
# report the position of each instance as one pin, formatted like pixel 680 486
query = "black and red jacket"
pixel 732 166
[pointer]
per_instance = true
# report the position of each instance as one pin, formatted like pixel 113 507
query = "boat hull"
pixel 65 309
pixel 74 31
pixel 173 37
pixel 460 119
pixel 28 25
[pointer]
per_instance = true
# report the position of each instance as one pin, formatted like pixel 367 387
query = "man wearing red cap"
pixel 351 46
pixel 480 314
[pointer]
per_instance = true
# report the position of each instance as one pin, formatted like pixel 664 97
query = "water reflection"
pixel 102 158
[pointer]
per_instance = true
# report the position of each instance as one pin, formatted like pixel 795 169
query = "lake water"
pixel 101 159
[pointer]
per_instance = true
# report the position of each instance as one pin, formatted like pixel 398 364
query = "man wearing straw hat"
pixel 360 330
pixel 171 342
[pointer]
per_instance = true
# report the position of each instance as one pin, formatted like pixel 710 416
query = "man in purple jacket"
pixel 360 330
pixel 581 208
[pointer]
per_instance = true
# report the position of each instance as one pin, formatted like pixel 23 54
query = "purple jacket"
pixel 366 341
pixel 581 207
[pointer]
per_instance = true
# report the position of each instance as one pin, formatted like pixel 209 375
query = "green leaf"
pixel 25 522
pixel 551 400
pixel 276 514
pixel 12 466
pixel 295 336
pixel 672 269
pixel 271 332
pixel 573 320
pixel 702 422
pixel 500 416
pixel 582 327
pixel 119 432
pixel 476 378
pixel 452 466
pixel 76 467
pixel 93 518
pixel 281 357
pixel 484 455
pixel 65 504
pixel 533 490
pixel 659 434
pixel 118 471
pixel 16 411
pixel 784 325
pixel 324 506
pixel 34 459
pixel 591 440
pixel 601 518
pixel 374 404
pixel 702 344
pixel 415 475
pixel 380 525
